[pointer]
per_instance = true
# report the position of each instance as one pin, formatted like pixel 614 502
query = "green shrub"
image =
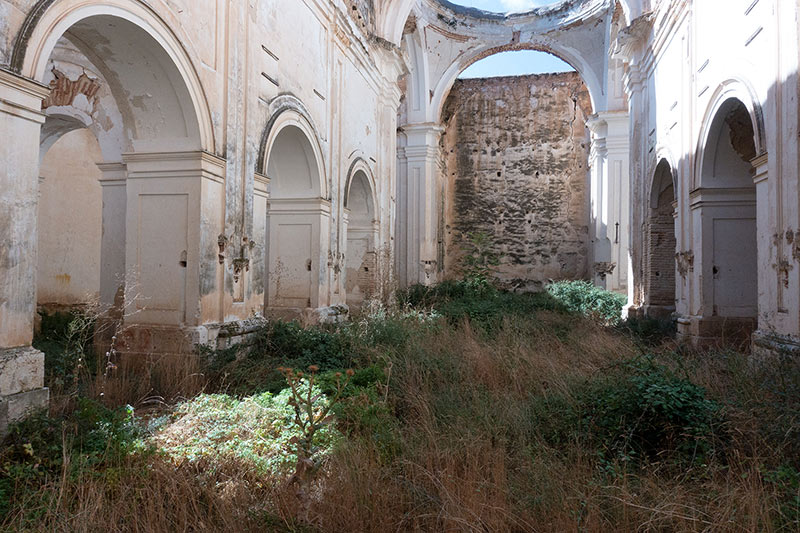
pixel 66 340
pixel 258 430
pixel 253 368
pixel 480 260
pixel 483 305
pixel 643 409
pixel 584 298
pixel 94 438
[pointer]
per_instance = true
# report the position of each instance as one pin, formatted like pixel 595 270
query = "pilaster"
pixel 420 199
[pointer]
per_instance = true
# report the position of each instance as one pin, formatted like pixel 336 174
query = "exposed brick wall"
pixel 660 252
pixel 515 153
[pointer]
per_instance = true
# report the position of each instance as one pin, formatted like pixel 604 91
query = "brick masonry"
pixel 660 252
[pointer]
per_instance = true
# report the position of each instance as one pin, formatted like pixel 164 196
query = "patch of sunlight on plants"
pixel 218 429
pixel 584 298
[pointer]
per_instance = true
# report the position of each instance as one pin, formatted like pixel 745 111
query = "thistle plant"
pixel 310 415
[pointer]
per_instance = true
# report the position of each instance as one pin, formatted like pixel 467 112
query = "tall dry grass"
pixel 471 453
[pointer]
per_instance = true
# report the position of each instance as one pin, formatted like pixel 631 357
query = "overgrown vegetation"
pixel 467 409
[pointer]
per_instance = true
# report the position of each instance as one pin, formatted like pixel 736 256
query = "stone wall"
pixel 515 152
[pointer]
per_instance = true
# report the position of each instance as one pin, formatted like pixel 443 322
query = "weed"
pixel 586 299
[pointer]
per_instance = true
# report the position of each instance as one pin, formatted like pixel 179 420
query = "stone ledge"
pixel 768 344
pixel 17 406
pixel 21 370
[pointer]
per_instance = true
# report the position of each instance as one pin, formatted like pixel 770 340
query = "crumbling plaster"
pixel 179 94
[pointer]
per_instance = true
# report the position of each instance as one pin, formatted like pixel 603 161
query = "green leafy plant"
pixel 584 298
pixel 643 409
pixel 480 259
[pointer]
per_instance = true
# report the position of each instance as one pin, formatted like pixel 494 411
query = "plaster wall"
pixel 685 61
pixel 70 222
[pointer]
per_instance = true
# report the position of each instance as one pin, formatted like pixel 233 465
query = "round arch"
pixel 732 89
pixel 664 174
pixel 49 20
pixel 569 56
pixel 294 116
pixel 360 165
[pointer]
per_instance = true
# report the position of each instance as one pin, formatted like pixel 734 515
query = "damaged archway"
pixel 361 257
pixel 661 244
pixel 724 206
pixel 126 101
pixel 515 154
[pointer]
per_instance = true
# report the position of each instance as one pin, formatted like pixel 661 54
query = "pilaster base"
pixel 22 388
pixel 709 332
pixel 333 314
pixel 768 344
pixel 147 340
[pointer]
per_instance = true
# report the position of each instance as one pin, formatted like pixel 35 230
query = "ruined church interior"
pixel 191 169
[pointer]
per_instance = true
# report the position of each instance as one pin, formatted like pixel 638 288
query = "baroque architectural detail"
pixel 190 166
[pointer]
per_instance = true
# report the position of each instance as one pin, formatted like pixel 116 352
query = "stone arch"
pixel 361 258
pixel 728 91
pixel 569 56
pixel 298 214
pixel 49 20
pixel 142 100
pixel 289 111
pixel 725 202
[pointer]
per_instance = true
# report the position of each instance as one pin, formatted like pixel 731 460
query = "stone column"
pixel 21 366
pixel 419 197
pixel 610 193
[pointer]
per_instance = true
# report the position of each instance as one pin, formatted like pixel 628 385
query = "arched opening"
pixel 661 244
pixel 70 223
pixel 298 218
pixel 361 261
pixel 119 154
pixel 727 210
pixel 516 151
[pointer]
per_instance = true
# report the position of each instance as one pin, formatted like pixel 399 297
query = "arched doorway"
pixel 661 244
pixel 725 205
pixel 361 258
pixel 126 100
pixel 298 218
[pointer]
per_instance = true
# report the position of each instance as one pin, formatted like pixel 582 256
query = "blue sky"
pixel 512 63
pixel 504 6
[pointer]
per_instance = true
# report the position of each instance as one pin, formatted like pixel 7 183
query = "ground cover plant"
pixel 465 408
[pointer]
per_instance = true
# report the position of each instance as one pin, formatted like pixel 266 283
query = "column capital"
pixel 22 97
pixel 421 134
pixel 761 166
pixel 174 165
pixel 113 174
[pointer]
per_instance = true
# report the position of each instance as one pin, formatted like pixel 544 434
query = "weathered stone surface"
pixel 515 156
pixel 18 406
pixel 21 370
